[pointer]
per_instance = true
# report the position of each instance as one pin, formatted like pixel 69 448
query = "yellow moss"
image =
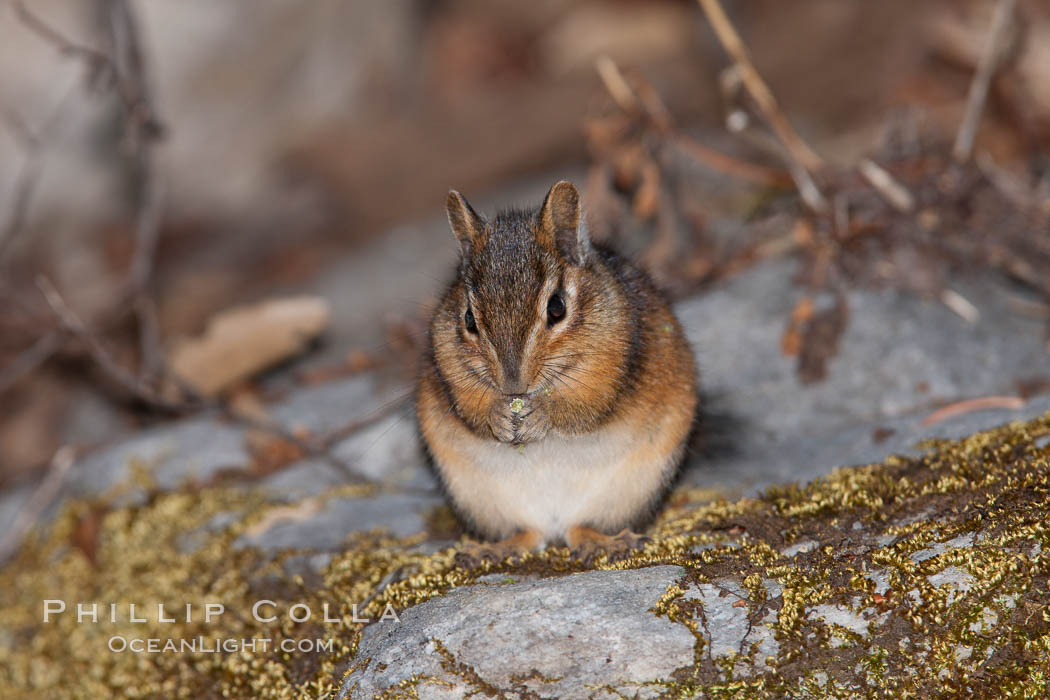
pixel 994 486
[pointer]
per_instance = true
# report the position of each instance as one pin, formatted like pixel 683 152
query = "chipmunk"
pixel 557 390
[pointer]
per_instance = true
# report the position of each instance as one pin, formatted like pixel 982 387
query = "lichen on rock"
pixel 919 577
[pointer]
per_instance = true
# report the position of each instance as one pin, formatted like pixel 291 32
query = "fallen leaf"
pixel 791 341
pixel 241 342
pixel 820 341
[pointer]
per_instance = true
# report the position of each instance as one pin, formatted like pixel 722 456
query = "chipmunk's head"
pixel 535 332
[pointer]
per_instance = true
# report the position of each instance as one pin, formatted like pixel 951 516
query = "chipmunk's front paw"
pixel 587 544
pixel 471 555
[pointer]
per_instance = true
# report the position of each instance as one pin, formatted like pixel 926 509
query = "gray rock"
pixel 389 452
pixel 900 357
pixel 399 513
pixel 326 407
pixel 554 637
pixel 170 455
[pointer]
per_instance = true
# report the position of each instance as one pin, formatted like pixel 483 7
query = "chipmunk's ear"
pixel 561 226
pixel 465 222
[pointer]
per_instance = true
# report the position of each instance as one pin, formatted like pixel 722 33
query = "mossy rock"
pixel 917 577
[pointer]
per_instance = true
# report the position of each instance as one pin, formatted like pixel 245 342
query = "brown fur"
pixel 615 369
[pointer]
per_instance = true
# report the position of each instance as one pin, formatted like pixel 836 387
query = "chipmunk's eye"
pixel 469 322
pixel 555 309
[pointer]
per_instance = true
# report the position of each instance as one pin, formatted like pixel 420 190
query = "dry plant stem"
pixel 128 70
pixel 25 184
pixel 101 67
pixel 73 325
pixel 801 159
pixel 807 187
pixel 32 145
pixel 1009 403
pixel 654 110
pixel 317 449
pixel 37 354
pixel 37 503
pixel 1011 187
pixel 896 195
pixel 741 170
pixel 616 84
pixel 151 350
pixel 97 61
pixel 143 132
pixel 343 432
pixel 982 80
pixel 961 306
pixel 757 87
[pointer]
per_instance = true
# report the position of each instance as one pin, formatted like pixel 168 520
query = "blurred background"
pixel 162 162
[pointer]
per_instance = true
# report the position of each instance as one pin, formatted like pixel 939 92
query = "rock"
pixel 900 358
pixel 538 637
pixel 934 592
pixel 329 524
pixel 918 576
pixel 169 456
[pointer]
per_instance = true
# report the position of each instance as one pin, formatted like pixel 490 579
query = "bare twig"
pixel 73 325
pixel 38 502
pixel 345 431
pixel 101 67
pixel 1011 187
pixel 143 132
pixel 982 79
pixel 23 194
pixel 98 63
pixel 807 187
pixel 1009 403
pixel 961 306
pixel 645 102
pixel 32 144
pixel 127 69
pixel 617 85
pixel 132 72
pixel 896 195
pixel 741 170
pixel 152 367
pixel 757 87
pixel 37 354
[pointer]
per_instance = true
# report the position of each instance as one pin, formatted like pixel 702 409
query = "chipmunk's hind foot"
pixel 587 544
pixel 474 554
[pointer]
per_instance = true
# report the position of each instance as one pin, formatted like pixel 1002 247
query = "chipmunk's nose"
pixel 512 383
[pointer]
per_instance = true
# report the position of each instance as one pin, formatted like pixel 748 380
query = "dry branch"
pixel 25 183
pixel 802 160
pixel 31 143
pixel 37 354
pixel 982 80
pixel 896 195
pixel 74 326
pixel 757 87
pixel 1009 403
pixel 38 502
pixel 126 69
pixel 644 102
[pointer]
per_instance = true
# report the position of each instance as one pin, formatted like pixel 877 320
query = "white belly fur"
pixel 601 480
